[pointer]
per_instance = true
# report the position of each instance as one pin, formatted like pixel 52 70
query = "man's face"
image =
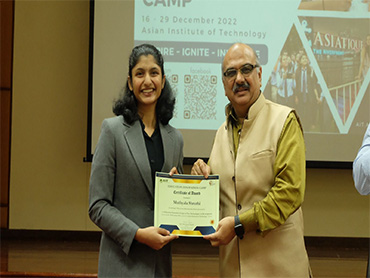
pixel 304 61
pixel 285 61
pixel 243 89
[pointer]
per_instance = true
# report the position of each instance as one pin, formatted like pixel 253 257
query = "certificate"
pixel 186 205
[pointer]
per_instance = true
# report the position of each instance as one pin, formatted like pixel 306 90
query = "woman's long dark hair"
pixel 126 105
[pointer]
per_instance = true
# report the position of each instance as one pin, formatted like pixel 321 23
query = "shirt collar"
pixel 231 116
pixel 143 128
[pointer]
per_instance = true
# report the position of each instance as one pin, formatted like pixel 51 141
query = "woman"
pixel 285 82
pixel 131 148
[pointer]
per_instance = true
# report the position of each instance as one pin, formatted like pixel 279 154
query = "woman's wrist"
pixel 138 235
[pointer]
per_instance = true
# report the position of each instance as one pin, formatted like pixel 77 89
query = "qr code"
pixel 200 93
pixel 174 81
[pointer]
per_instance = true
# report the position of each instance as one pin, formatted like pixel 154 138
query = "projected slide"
pixel 316 51
pixel 193 36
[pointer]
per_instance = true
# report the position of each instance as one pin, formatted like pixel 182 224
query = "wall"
pixel 49 181
pixel 332 205
pixel 6 50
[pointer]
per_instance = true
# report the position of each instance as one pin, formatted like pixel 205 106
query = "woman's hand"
pixel 173 171
pixel 154 237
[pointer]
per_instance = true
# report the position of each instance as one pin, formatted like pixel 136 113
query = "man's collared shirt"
pixel 361 166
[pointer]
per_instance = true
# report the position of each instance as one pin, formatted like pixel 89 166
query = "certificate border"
pixel 187 177
pixel 198 231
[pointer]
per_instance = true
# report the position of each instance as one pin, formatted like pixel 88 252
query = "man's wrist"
pixel 238 227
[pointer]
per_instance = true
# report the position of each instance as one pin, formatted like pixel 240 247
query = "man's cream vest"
pixel 247 179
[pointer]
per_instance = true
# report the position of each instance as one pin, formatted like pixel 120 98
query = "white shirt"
pixel 361 166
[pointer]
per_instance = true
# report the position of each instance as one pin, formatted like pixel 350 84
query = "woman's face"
pixel 147 81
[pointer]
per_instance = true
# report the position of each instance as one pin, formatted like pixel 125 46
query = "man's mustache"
pixel 244 86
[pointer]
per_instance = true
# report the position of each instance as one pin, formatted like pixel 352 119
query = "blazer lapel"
pixel 136 144
pixel 168 146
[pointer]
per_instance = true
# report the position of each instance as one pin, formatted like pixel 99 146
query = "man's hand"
pixel 225 232
pixel 154 237
pixel 201 168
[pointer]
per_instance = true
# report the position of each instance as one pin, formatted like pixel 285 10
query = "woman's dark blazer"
pixel 121 198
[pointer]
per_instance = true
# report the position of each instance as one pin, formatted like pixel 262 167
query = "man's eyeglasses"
pixel 245 70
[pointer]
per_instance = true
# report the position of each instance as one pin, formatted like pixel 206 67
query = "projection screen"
pixel 194 35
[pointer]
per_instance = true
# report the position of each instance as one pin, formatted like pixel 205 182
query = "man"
pixel 361 174
pixel 308 96
pixel 361 166
pixel 259 154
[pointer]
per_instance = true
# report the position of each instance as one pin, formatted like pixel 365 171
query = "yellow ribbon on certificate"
pixel 186 233
pixel 187 181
